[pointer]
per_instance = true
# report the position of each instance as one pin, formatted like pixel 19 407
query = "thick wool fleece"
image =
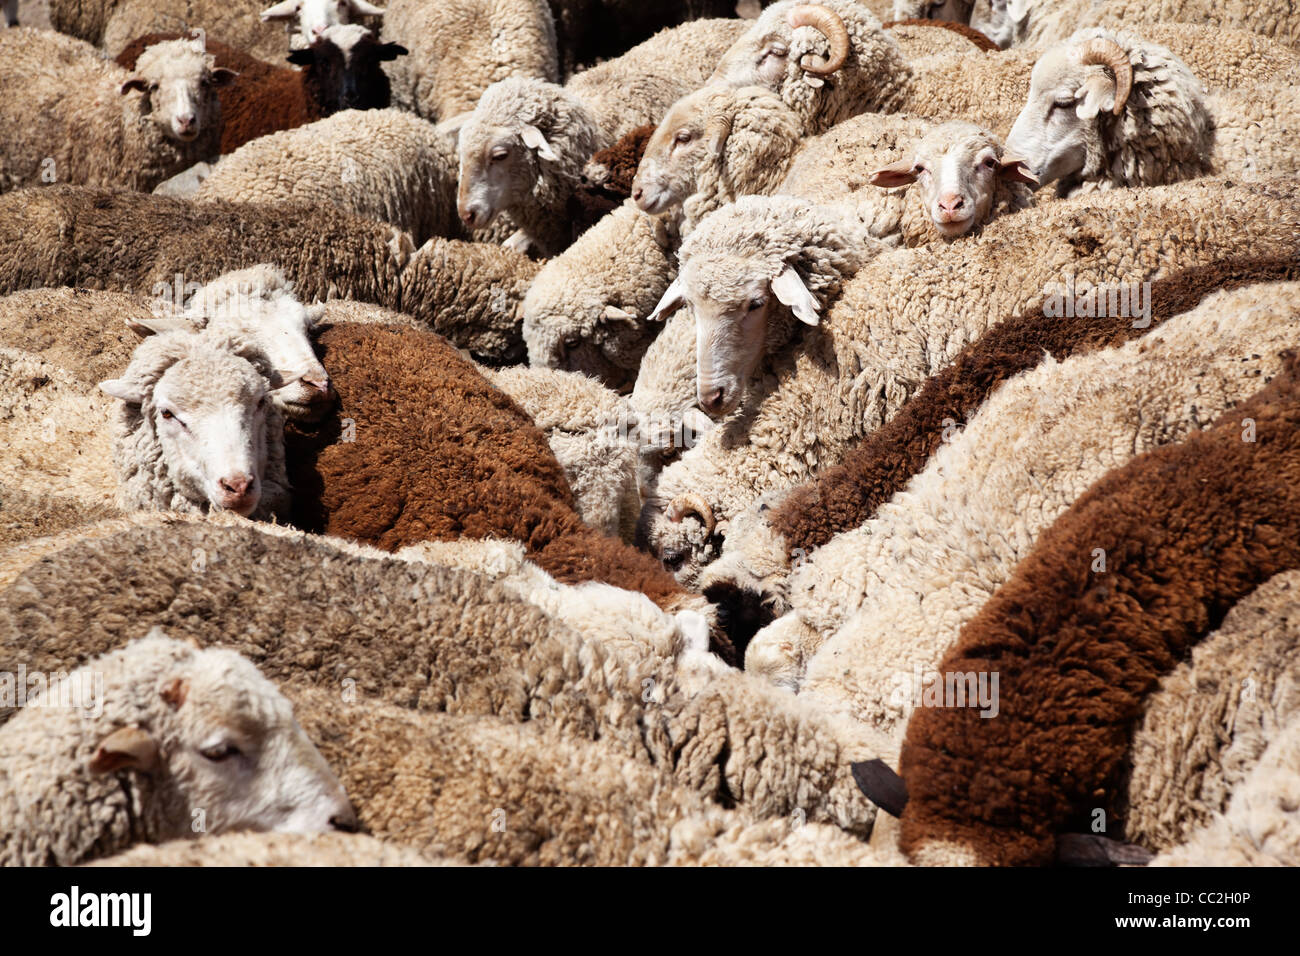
pixel 265 98
pixel 918 38
pixel 1187 531
pixel 906 315
pixel 751 580
pixel 274 849
pixel 1207 726
pixel 235 21
pixel 429 638
pixel 385 165
pixel 432 451
pixel 1048 21
pixel 607 179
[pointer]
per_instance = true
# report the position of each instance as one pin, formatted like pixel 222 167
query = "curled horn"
pixel 830 25
pixel 691 503
pixel 1102 52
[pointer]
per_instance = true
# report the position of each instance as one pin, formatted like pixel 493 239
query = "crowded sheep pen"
pixel 681 433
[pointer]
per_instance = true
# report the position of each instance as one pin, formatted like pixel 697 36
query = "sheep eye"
pixel 499 154
pixel 778 49
pixel 219 752
pixel 168 416
pixel 990 163
pixel 757 303
pixel 683 136
pixel 919 169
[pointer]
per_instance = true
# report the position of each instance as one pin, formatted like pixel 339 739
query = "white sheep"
pixel 882 603
pixel 458 48
pixel 905 315
pixel 313 17
pixel 523 148
pixel 153 742
pixel 197 429
pixel 1108 110
pixel 386 165
pixel 99 124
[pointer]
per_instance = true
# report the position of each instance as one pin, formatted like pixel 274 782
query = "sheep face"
pixel 314 17
pixel 499 166
pixel 788 42
pixel 220 737
pixel 1002 21
pixel 731 301
pixel 693 132
pixel 344 65
pixel 956 168
pixel 1074 90
pixel 208 412
pixel 179 83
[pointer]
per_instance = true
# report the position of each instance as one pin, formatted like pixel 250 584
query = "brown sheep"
pixel 1185 532
pixel 607 179
pixel 423 448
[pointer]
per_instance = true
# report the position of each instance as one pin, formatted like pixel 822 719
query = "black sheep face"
pixel 343 69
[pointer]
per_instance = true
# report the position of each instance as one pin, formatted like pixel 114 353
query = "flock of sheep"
pixel 863 432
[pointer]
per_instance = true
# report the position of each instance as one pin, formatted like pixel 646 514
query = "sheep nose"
pixel 712 400
pixel 186 123
pixel 345 821
pixel 951 202
pixel 468 217
pixel 235 486
pixel 637 193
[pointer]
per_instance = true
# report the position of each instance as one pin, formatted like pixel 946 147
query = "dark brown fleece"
pixel 438 454
pixel 265 98
pixel 980 40
pixel 607 179
pixel 1187 530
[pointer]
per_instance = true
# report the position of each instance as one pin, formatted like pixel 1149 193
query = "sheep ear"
pixel 1096 94
pixel 122 389
pixel 613 313
pixel 175 692
pixel 158 323
pixel 127 749
pixel 364 9
pixel 717 132
pixel 790 290
pixel 900 173
pixel 223 77
pixel 452 124
pixel 136 84
pixel 534 139
pixel 1014 168
pixel 672 300
pixel 285 10
pixel 390 51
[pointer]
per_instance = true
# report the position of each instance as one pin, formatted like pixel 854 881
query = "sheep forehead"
pixel 345 36
pixel 964 141
pixel 226 689
pixel 208 382
pixel 175 60
pixel 728 281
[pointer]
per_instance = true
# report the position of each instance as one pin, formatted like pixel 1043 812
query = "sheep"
pixel 463 646
pixel 1234 700
pixel 592 432
pixel 197 429
pixel 340 71
pixel 1041 22
pixel 118 751
pixel 607 179
pixel 273 849
pixel 523 148
pixel 102 125
pixel 890 597
pixel 472 292
pixel 1188 530
pixel 314 17
pixel 1133 114
pixel 386 165
pixel 751 581
pixel 461 47
pixel 921 308
pixel 112 24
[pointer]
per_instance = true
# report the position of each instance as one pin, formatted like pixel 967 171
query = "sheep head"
pixel 194 728
pixel 1002 21
pixel 314 17
pixel 343 68
pixel 772 50
pixel 179 83
pixel 207 411
pixel 956 168
pixel 1075 89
